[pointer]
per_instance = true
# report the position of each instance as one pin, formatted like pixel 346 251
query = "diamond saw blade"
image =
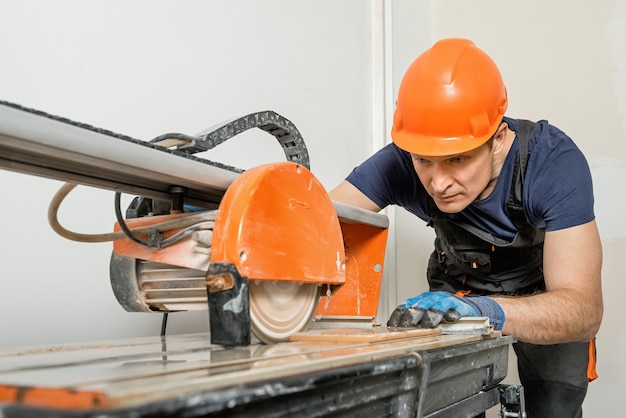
pixel 279 309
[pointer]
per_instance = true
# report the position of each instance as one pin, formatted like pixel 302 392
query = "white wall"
pixel 146 67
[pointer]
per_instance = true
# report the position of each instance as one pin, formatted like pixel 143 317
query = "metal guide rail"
pixel 46 146
pixel 34 142
pixel 185 375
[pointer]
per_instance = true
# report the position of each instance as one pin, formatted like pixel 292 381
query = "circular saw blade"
pixel 279 309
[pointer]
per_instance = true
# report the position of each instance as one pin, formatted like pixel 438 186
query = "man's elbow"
pixel 596 321
pixel 593 321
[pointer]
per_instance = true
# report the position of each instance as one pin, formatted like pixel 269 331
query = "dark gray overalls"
pixel 465 258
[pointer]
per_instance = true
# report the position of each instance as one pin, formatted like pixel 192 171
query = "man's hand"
pixel 430 308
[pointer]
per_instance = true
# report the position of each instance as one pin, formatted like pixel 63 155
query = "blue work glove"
pixel 430 308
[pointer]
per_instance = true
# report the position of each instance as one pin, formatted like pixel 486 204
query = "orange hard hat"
pixel 451 100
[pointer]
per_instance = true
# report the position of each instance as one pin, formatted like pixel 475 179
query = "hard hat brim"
pixel 437 147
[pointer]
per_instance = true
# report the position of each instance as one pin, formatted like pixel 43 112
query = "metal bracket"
pixel 229 305
pixel 512 401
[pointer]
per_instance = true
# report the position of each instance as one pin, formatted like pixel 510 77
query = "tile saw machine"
pixel 265 250
pixel 260 245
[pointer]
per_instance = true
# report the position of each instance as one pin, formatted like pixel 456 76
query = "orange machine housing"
pixel 277 222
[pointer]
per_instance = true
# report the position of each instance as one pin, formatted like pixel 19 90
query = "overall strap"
pixel 515 205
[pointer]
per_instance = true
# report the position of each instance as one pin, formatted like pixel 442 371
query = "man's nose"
pixel 440 179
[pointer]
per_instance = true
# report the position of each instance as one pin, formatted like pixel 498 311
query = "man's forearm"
pixel 558 316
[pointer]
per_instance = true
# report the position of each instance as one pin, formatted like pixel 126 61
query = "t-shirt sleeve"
pixel 558 183
pixel 388 178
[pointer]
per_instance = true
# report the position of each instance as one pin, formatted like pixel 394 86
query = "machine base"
pixel 184 375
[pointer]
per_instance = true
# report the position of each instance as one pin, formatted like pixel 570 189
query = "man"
pixel 512 206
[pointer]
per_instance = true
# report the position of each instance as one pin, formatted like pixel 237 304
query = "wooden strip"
pixel 363 335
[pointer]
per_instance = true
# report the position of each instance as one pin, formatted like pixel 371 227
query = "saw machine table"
pixel 185 375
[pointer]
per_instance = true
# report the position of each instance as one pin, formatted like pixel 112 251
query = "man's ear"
pixel 499 138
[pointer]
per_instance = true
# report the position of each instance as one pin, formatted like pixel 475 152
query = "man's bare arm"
pixel 571 308
pixel 346 193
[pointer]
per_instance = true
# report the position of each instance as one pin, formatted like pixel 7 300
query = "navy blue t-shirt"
pixel 558 191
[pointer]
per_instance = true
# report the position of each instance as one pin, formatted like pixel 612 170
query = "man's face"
pixel 455 181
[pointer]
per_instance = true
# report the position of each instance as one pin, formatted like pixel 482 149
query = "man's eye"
pixel 457 160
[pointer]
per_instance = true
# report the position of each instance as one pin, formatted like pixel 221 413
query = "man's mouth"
pixel 446 198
